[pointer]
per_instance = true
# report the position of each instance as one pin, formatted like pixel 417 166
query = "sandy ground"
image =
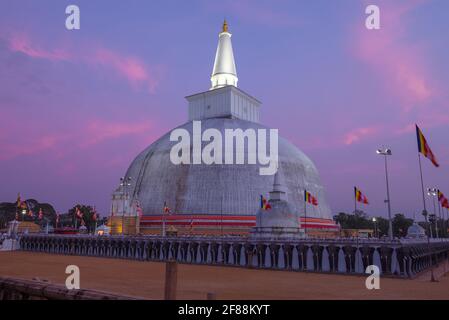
pixel 146 279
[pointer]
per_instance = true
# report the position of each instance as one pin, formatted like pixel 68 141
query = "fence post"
pixel 171 279
pixel 211 296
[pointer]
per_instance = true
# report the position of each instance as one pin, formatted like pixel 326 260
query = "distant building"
pixel 415 231
pixel 357 233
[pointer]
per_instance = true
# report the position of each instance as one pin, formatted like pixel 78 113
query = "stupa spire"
pixel 224 72
pixel 278 192
pixel 225 26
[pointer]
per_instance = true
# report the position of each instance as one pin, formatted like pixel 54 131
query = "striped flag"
pixel 309 198
pixel 423 147
pixel 441 196
pixel 359 196
pixel 19 201
pixel 443 200
pixel 78 212
pixel 445 203
pixel 264 204
pixel 166 208
pixel 139 209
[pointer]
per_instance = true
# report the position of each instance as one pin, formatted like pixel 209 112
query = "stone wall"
pixel 346 256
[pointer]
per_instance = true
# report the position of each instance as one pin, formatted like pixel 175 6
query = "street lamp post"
pixel 385 153
pixel 124 182
pixel 375 227
pixel 425 214
pixel 433 192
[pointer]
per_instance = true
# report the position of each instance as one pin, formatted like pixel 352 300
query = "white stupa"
pixel 224 73
pixel 218 197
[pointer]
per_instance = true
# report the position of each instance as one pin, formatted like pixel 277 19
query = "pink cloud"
pixel 400 64
pixel 135 71
pixel 359 134
pixel 427 119
pixel 132 68
pixel 34 139
pixel 21 43
pixel 98 131
pixel 27 148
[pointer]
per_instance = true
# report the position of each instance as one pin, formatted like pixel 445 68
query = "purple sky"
pixel 77 106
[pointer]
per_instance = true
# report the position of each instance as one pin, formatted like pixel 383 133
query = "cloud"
pixel 21 43
pixel 131 68
pixel 21 148
pixel 359 134
pixel 399 63
pixel 34 139
pixel 98 131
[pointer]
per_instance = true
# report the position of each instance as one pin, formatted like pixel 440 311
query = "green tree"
pixel 382 226
pixel 401 225
pixel 358 220
pixel 87 216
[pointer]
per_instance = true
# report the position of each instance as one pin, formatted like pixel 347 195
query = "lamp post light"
pixel 429 235
pixel 385 153
pixel 375 227
pixel 124 182
pixel 433 192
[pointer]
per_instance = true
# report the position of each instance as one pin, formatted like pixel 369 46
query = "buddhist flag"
pixel 264 204
pixel 139 209
pixel 440 196
pixel 18 200
pixel 445 203
pixel 78 212
pixel 309 198
pixel 41 214
pixel 166 208
pixel 443 200
pixel 424 148
pixel 359 196
pixel 30 213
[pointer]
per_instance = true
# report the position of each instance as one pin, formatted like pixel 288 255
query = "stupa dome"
pixel 220 189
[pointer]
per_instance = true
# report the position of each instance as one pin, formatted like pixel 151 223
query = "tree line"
pixel 360 220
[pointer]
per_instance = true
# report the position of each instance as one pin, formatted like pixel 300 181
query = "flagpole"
pixel 422 184
pixel 305 213
pixel 436 217
pixel 445 220
pixel 221 216
pixel 439 216
pixel 163 224
pixel 446 217
pixel 432 278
